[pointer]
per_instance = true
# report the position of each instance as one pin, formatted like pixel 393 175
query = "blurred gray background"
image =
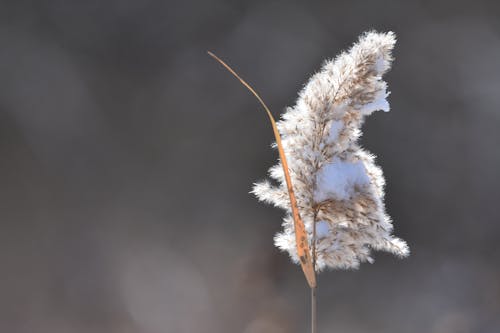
pixel 127 155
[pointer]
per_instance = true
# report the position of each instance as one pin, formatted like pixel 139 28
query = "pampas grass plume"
pixel 338 186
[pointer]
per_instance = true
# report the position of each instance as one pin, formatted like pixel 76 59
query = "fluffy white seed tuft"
pixel 337 184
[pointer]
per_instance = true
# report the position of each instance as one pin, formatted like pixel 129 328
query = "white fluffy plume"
pixel 337 184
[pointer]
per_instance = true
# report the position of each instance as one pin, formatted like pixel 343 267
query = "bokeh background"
pixel 127 155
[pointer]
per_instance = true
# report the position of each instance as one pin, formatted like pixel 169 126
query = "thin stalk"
pixel 314 288
pixel 313 309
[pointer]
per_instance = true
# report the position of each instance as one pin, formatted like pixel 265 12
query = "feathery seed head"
pixel 337 184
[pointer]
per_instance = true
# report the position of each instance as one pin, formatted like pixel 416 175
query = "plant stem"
pixel 313 289
pixel 313 310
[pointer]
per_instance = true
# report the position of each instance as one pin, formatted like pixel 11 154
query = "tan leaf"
pixel 300 233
